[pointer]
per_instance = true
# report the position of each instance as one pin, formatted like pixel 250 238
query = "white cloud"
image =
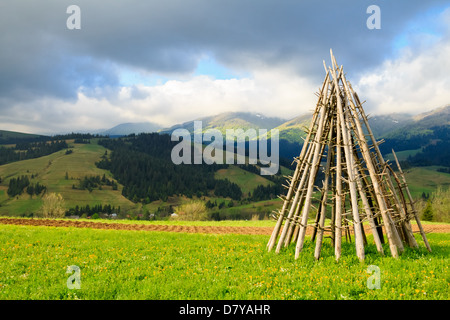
pixel 414 82
pixel 117 70
pixel 417 80
pixel 271 92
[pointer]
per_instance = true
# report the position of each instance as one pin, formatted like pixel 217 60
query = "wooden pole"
pixel 333 206
pixel 276 230
pixel 294 223
pixel 338 195
pixel 350 169
pixel 294 206
pixel 374 178
pixel 393 237
pixel 419 224
pixel 360 181
pixel 323 202
pixel 312 176
pixel 363 196
pixel 404 223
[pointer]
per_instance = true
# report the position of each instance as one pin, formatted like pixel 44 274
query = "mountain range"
pixel 390 126
pixel 422 142
pixel 124 129
pixel 383 126
pixel 230 120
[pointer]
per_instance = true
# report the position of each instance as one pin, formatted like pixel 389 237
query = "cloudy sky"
pixel 172 61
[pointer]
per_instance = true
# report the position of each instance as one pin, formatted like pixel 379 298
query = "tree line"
pixel 77 136
pixel 17 186
pixel 30 150
pixel 267 192
pixel 94 182
pixel 224 188
pixel 91 210
pixel 434 154
pixel 408 140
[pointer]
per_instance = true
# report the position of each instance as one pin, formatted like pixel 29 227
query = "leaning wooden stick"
pixel 350 171
pixel 323 204
pixel 276 230
pixel 419 224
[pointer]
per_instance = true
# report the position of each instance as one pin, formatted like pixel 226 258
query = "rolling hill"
pixel 125 129
pixel 389 126
pixel 50 171
pixel 422 123
pixel 59 171
pixel 230 120
pixel 294 129
pixel 63 172
pixel 12 137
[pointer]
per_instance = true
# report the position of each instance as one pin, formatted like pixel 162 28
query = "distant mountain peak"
pixel 132 127
pixel 231 120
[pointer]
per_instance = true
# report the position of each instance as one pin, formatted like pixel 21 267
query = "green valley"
pixel 62 172
pixel 135 178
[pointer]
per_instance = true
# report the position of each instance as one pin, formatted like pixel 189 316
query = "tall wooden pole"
pixel 419 224
pixel 374 180
pixel 323 202
pixel 363 196
pixel 294 180
pixel 391 232
pixel 297 199
pixel 338 195
pixel 350 169
pixel 312 176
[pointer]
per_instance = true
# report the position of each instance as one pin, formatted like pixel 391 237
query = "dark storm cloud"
pixel 40 57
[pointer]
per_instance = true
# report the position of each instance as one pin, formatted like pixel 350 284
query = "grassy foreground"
pixel 160 265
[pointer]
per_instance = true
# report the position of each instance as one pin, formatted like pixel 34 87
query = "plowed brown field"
pixel 437 228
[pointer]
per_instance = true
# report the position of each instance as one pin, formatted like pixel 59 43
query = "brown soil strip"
pixel 436 228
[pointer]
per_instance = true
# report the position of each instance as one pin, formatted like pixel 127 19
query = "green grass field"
pixel 157 265
pixel 247 181
pixel 425 179
pixel 401 155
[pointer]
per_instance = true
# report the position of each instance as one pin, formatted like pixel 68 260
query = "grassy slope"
pixel 157 265
pixel 401 155
pixel 50 171
pixel 4 134
pixel 420 179
pixel 425 179
pixel 294 129
pixel 247 181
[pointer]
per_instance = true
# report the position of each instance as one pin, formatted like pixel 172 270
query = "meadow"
pixel 245 180
pixel 50 171
pixel 117 264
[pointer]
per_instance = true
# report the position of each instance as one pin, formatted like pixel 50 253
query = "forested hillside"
pixel 143 165
pixel 30 150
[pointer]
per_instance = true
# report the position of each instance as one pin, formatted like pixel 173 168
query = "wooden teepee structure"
pixel 357 185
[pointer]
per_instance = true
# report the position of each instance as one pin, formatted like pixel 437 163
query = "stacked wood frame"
pixel 358 184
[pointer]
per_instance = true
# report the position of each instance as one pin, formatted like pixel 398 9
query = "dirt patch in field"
pixel 143 227
pixel 436 228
